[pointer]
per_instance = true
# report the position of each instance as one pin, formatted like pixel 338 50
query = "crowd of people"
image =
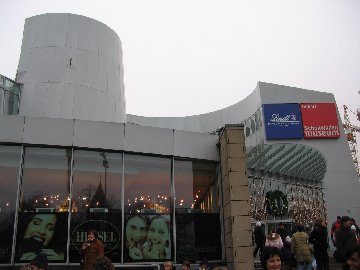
pixel 307 247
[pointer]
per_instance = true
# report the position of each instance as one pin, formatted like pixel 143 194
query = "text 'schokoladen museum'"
pixel 72 159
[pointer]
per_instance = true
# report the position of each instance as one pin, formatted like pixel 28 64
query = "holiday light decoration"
pixel 298 200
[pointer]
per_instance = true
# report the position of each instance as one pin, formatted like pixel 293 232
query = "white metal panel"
pixel 92 70
pixel 47 131
pixel 81 67
pixel 196 145
pixel 91 103
pixel 102 74
pixel 39 100
pixel 55 28
pixel 149 140
pixel 79 102
pixel 11 128
pixel 52 104
pixel 66 100
pixel 101 135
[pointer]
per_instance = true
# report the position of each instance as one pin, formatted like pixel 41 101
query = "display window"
pixel 44 204
pixel 147 185
pixel 198 231
pixel 97 201
pixel 10 157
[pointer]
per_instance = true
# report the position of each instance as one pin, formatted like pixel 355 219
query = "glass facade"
pixel 196 210
pixel 9 96
pixel 145 208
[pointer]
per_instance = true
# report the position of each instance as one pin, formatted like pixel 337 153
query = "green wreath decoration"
pixel 277 203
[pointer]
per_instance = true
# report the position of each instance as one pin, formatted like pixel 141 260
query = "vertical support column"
pixel 236 199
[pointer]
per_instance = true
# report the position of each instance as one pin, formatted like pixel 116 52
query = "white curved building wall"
pixel 340 177
pixel 71 67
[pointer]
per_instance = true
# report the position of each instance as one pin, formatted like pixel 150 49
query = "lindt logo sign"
pixel 282 121
pixel 286 119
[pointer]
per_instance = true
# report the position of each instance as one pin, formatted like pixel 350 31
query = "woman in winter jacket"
pixel 91 249
pixel 300 248
pixel 274 240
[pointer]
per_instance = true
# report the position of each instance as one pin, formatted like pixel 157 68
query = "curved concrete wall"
pixel 71 67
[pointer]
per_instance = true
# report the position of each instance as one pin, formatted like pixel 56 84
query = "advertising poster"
pixel 108 227
pixel 41 232
pixel 319 120
pixel 147 238
pixel 282 121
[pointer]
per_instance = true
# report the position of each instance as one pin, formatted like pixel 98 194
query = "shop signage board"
pixel 319 120
pixel 282 121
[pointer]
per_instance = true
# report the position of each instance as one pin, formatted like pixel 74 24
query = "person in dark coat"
pixel 282 232
pixel 319 239
pixel 344 238
pixel 260 239
pixel 91 249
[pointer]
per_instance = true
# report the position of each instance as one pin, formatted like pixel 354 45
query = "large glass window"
pixel 44 204
pixel 97 201
pixel 147 190
pixel 10 157
pixel 198 231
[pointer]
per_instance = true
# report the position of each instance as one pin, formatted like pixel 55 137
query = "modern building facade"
pixel 156 189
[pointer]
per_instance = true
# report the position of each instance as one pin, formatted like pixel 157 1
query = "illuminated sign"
pixel 319 120
pixel 282 121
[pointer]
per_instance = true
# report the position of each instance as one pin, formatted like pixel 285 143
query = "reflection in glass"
pixel 96 201
pixel 10 157
pixel 45 182
pixel 198 233
pixel 147 184
pixel 195 187
pixel 97 182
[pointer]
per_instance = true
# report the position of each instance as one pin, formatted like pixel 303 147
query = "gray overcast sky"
pixel 195 56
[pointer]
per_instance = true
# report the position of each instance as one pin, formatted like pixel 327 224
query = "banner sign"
pixel 282 121
pixel 319 120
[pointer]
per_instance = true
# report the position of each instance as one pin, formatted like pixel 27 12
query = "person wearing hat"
pixel 260 239
pixel 40 262
pixel 344 238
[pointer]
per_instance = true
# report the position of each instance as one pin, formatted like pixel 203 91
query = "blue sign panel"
pixel 282 121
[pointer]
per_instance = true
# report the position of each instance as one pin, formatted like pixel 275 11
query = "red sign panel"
pixel 319 120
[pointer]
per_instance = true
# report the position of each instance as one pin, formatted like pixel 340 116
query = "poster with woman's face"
pixel 148 238
pixel 41 232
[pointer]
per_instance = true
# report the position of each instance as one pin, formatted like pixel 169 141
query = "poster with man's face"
pixel 147 238
pixel 41 232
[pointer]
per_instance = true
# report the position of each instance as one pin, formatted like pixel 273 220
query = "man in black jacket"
pixel 344 238
pixel 260 239
pixel 318 238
